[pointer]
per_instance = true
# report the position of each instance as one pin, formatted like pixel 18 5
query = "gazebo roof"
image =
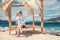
pixel 32 3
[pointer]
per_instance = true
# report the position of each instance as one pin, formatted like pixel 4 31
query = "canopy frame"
pixel 32 26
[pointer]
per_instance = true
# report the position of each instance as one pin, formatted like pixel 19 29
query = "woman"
pixel 20 22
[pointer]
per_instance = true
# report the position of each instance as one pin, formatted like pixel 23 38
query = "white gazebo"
pixel 6 6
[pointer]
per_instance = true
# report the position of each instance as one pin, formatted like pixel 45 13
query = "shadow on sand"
pixel 29 33
pixel 35 32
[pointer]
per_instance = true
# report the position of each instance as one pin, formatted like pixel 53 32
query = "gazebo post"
pixel 32 10
pixel 42 21
pixel 9 19
pixel 42 24
pixel 33 18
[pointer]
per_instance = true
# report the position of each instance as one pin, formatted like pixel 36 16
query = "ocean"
pixel 47 25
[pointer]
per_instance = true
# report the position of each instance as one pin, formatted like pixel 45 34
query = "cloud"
pixel 55 14
pixel 51 4
pixel 58 0
pixel 51 10
pixel 4 18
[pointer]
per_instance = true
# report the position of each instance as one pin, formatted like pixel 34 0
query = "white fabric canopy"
pixel 35 4
pixel 4 5
pixel 0 5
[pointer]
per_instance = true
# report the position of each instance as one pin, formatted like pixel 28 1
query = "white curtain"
pixel 4 5
pixel 0 5
pixel 35 4
pixel 7 2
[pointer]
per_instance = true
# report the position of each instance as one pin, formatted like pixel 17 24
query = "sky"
pixel 51 10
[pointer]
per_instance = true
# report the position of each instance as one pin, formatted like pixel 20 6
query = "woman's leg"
pixel 19 29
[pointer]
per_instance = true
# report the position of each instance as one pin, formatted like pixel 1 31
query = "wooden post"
pixel 42 24
pixel 42 21
pixel 9 18
pixel 33 18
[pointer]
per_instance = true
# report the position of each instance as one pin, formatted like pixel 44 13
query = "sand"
pixel 28 35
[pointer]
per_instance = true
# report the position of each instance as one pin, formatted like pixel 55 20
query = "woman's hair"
pixel 19 12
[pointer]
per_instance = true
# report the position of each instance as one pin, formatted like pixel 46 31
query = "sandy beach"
pixel 28 35
pixel 42 14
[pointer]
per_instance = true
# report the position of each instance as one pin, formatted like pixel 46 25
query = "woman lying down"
pixel 20 21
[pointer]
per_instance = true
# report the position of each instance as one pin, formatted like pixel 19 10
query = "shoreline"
pixel 46 31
